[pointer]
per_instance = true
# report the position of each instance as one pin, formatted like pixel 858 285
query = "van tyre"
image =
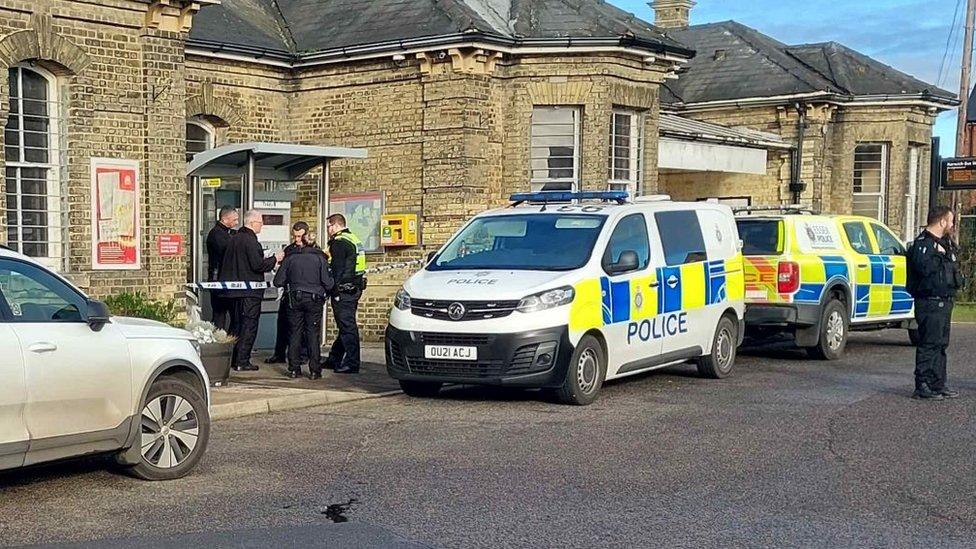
pixel 834 325
pixel 175 430
pixel 585 375
pixel 422 389
pixel 719 363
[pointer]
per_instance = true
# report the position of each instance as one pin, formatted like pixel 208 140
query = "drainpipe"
pixel 796 185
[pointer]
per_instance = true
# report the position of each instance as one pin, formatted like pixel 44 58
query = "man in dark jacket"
pixel 299 238
pixel 304 274
pixel 217 240
pixel 933 279
pixel 348 265
pixel 244 261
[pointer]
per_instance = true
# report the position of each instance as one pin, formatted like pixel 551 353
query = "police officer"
pixel 217 240
pixel 299 238
pixel 933 279
pixel 348 266
pixel 244 261
pixel 304 274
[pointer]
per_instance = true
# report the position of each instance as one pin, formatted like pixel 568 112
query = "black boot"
pixel 924 393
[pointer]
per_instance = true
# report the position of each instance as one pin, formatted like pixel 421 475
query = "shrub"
pixel 139 305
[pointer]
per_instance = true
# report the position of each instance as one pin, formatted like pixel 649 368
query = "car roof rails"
pixel 545 197
pixel 793 209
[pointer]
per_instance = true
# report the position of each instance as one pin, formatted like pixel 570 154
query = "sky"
pixel 910 35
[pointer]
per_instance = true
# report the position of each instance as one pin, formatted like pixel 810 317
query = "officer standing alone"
pixel 933 279
pixel 304 274
pixel 348 266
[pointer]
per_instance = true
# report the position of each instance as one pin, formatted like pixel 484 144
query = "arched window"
pixel 31 151
pixel 199 137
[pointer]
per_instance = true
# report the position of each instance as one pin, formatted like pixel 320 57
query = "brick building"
pixel 458 102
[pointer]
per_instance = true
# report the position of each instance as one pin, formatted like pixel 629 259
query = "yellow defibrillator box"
pixel 398 229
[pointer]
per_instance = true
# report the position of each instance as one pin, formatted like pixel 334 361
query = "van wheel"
pixel 718 364
pixel 174 433
pixel 423 389
pixel 913 336
pixel 833 332
pixel 585 375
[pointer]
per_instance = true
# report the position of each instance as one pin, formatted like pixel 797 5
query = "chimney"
pixel 672 14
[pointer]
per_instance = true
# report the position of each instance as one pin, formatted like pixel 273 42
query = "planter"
pixel 216 359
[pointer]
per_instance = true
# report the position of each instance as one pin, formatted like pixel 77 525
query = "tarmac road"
pixel 787 452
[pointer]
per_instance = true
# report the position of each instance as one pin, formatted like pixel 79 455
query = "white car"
pixel 564 295
pixel 77 381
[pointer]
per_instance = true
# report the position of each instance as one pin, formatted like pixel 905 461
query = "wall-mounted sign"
pixel 363 212
pixel 958 173
pixel 210 182
pixel 115 214
pixel 169 245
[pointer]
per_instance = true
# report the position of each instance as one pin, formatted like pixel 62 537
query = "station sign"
pixel 958 174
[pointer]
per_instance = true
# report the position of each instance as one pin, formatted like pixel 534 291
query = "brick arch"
pixel 219 112
pixel 48 48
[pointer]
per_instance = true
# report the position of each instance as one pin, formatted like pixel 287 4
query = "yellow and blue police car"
pixel 819 276
pixel 566 290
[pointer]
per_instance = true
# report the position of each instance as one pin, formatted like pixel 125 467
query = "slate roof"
pixel 295 27
pixel 734 61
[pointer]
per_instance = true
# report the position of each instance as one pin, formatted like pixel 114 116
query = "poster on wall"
pixel 115 214
pixel 363 212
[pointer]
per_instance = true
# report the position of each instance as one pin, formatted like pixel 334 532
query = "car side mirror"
pixel 98 315
pixel 628 261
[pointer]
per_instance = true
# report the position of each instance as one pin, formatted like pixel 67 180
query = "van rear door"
pixel 763 242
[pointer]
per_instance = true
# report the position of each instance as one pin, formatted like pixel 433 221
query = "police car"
pixel 818 277
pixel 567 290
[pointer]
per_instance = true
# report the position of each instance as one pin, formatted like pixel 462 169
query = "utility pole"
pixel 964 91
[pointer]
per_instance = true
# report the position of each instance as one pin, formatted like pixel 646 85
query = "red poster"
pixel 115 214
pixel 170 245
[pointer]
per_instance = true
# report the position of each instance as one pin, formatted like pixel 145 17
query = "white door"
pixel 78 380
pixel 629 297
pixel 13 396
pixel 685 285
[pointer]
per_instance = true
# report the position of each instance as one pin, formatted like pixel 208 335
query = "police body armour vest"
pixel 360 251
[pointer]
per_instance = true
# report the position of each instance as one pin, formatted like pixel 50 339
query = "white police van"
pixel 566 290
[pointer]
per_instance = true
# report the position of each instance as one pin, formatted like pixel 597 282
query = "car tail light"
pixel 788 277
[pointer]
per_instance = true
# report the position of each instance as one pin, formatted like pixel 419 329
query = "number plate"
pixel 755 294
pixel 450 352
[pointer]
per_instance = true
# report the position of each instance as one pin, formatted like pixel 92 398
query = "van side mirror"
pixel 628 261
pixel 97 315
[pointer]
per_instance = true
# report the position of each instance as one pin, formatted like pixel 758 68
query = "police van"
pixel 566 290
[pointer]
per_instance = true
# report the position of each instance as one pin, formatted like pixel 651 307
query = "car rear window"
pixel 761 236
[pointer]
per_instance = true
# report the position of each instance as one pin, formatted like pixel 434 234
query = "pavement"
pixel 269 390
pixel 788 452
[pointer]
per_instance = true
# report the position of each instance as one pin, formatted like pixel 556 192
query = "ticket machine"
pixel 275 235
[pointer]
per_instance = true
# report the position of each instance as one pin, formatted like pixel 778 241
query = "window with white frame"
pixel 199 137
pixel 870 180
pixel 626 151
pixel 554 154
pixel 913 194
pixel 35 211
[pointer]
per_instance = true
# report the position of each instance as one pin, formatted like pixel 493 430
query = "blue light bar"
pixel 566 196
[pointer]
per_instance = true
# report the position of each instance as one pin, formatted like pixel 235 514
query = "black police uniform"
pixel 217 240
pixel 245 261
pixel 933 279
pixel 282 335
pixel 305 276
pixel 344 356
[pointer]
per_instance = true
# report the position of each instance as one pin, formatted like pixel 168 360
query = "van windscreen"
pixel 535 242
pixel 761 236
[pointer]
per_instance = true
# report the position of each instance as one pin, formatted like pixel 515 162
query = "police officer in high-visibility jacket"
pixel 933 279
pixel 347 261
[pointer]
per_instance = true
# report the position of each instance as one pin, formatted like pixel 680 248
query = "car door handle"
pixel 42 347
pixel 862 266
pixel 653 284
